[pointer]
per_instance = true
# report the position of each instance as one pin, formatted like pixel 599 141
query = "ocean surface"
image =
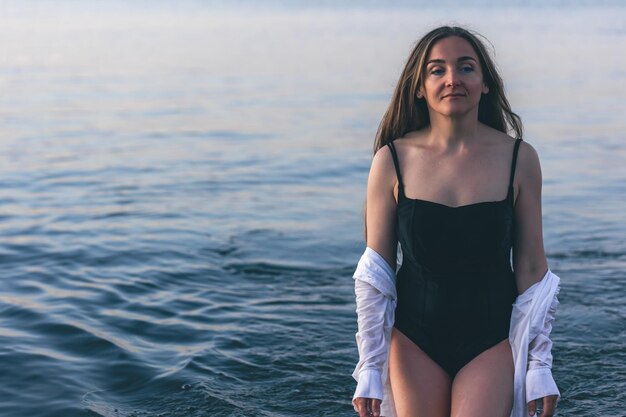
pixel 182 190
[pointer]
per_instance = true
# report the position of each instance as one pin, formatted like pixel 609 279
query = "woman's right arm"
pixel 381 206
pixel 375 307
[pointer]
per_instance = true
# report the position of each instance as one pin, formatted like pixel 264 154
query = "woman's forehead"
pixel 452 47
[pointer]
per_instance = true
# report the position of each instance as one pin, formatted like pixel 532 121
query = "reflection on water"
pixel 181 195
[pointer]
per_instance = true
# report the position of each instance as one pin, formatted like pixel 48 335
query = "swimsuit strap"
pixel 392 147
pixel 515 148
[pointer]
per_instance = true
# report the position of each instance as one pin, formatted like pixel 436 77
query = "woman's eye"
pixel 436 71
pixel 467 69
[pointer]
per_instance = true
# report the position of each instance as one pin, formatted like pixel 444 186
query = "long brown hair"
pixel 407 113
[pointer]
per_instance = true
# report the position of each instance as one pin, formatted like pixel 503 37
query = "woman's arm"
pixel 381 206
pixel 375 309
pixel 530 266
pixel 529 259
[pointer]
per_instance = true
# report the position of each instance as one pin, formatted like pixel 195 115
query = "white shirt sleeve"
pixel 539 380
pixel 374 288
pixel 371 306
pixel 531 323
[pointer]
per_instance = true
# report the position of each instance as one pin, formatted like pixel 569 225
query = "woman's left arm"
pixel 529 259
pixel 530 266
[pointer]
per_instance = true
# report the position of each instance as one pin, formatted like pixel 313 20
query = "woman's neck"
pixel 450 132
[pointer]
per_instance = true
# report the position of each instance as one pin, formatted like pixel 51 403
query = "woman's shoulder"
pixel 525 151
pixel 491 136
pixel 383 171
pixel 407 142
pixel 527 159
pixel 528 163
pixel 382 154
pixel 399 143
pixel 528 167
pixel 382 161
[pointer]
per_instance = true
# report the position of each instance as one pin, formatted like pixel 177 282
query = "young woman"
pixel 450 194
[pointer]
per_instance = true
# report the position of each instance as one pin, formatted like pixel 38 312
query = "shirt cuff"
pixel 369 385
pixel 539 384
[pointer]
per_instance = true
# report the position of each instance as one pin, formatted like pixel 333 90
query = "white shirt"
pixel 531 322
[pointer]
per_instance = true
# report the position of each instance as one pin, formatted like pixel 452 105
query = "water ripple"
pixel 179 230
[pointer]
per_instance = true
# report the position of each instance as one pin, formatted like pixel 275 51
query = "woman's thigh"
pixel 419 386
pixel 484 387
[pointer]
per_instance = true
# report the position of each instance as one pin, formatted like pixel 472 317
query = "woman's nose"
pixel 452 79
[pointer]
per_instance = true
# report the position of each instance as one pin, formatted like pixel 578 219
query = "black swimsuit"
pixel 455 286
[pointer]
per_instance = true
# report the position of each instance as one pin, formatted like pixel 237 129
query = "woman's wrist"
pixel 540 384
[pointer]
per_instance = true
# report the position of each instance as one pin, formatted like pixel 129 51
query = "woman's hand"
pixel 367 407
pixel 549 405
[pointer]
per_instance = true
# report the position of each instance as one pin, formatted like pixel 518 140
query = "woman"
pixel 458 194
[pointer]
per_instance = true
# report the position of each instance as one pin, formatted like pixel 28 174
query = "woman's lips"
pixel 454 95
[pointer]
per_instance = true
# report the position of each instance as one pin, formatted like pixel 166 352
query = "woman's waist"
pixel 456 269
pixel 445 299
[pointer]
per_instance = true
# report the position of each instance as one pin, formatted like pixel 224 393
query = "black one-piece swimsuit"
pixel 455 287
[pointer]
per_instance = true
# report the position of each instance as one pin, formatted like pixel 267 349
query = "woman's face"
pixel 453 79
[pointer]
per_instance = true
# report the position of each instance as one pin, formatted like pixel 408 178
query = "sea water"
pixel 182 189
